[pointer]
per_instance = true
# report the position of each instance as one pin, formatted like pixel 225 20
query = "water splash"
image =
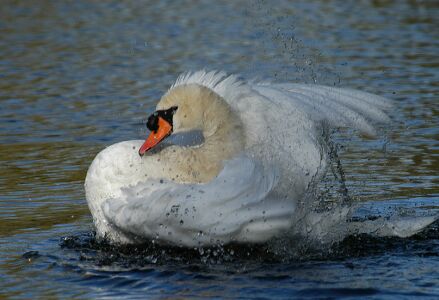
pixel 98 254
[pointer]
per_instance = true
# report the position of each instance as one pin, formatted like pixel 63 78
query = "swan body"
pixel 263 148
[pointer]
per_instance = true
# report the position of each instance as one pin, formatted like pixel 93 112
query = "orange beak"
pixel 155 137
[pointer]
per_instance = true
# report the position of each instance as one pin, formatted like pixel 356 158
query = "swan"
pixel 261 148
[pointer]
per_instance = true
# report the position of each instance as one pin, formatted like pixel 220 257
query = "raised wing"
pixel 339 107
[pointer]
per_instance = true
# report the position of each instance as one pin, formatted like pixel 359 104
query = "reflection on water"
pixel 79 75
pixel 41 181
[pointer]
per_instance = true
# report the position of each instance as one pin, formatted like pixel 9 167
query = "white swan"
pixel 262 149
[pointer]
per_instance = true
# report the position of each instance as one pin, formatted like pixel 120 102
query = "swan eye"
pixel 173 109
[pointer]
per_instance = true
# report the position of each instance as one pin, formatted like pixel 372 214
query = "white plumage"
pixel 256 193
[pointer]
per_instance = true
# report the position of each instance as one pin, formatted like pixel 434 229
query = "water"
pixel 78 75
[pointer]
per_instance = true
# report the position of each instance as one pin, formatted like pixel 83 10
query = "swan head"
pixel 181 109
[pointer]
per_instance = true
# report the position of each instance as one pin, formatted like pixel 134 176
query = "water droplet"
pixel 181 222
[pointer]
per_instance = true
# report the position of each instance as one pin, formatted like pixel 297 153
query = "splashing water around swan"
pixel 250 178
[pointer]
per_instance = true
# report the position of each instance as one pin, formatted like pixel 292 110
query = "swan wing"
pixel 338 107
pixel 235 206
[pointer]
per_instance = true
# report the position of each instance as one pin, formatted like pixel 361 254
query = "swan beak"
pixel 155 137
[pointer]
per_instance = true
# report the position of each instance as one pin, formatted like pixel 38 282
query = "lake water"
pixel 76 76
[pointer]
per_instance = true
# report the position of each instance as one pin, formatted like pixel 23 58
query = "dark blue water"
pixel 76 76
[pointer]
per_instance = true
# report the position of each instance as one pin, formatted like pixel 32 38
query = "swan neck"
pixel 221 127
